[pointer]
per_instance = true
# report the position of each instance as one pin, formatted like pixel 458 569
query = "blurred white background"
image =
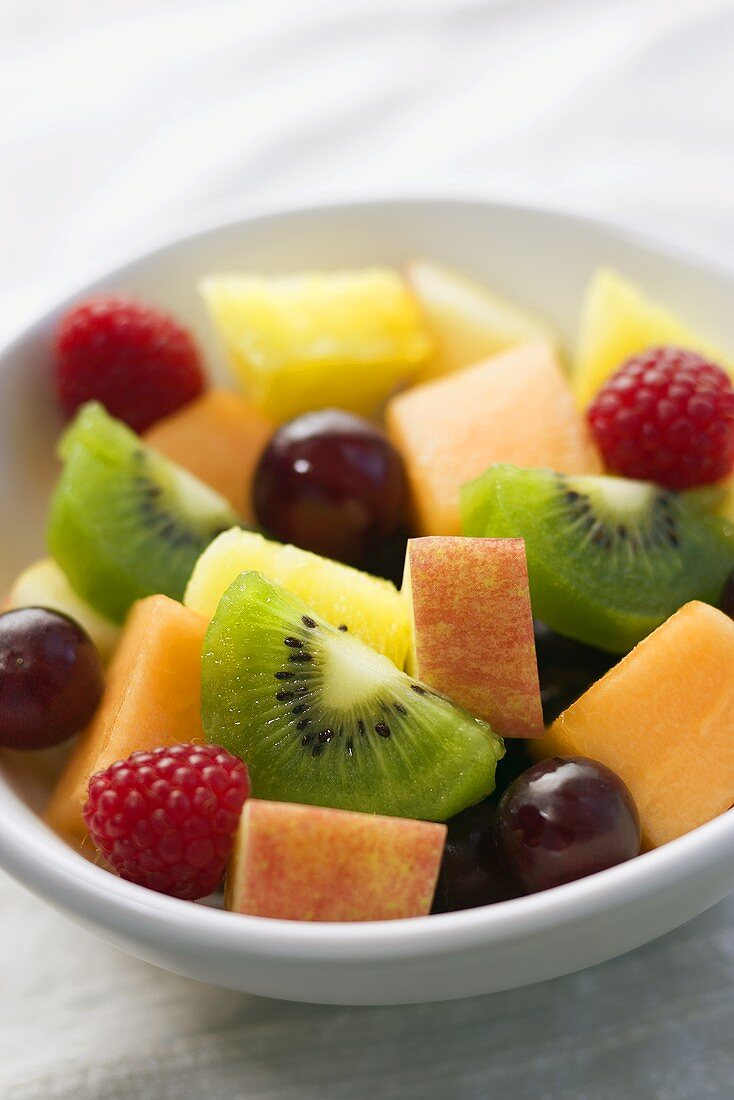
pixel 125 121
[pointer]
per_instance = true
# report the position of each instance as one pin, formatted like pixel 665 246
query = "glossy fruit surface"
pixel 618 320
pixel 564 819
pixel 667 416
pixel 471 873
pixel 50 678
pixel 342 338
pixel 371 608
pixel 166 819
pixel 322 719
pixel 330 482
pixel 609 558
pixel 138 362
pixel 125 522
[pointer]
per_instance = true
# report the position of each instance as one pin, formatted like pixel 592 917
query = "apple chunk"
pixel 310 863
pixel 473 628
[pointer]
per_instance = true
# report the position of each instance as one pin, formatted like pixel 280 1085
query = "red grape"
pixel 471 874
pixel 332 483
pixel 563 819
pixel 51 678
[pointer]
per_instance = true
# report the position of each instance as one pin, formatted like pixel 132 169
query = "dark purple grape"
pixel 563 819
pixel 726 600
pixel 387 558
pixel 51 678
pixel 471 874
pixel 516 760
pixel 566 669
pixel 330 482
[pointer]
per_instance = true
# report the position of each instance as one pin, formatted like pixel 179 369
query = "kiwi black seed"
pixel 159 515
pixel 126 522
pixel 609 559
pixel 320 718
pixel 654 527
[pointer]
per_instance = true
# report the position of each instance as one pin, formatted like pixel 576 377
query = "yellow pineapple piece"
pixel 619 321
pixel 300 342
pixel 44 584
pixel 371 608
pixel 469 322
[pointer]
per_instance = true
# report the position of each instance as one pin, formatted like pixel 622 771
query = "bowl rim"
pixel 35 856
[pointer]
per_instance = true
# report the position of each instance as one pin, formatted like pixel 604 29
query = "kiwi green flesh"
pixel 609 559
pixel 126 522
pixel 320 718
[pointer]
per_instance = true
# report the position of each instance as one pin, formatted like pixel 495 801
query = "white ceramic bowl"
pixel 543 260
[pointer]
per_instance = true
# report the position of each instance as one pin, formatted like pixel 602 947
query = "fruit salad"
pixel 426 612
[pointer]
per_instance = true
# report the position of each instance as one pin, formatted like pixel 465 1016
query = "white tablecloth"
pixel 123 121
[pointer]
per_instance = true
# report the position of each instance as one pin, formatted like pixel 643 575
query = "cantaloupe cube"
pixel 516 407
pixel 663 720
pixel 300 342
pixel 619 321
pixel 468 321
pixel 311 863
pixel 152 698
pixel 218 438
pixel 472 632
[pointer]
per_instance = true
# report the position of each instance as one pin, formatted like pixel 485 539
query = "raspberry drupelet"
pixel 138 362
pixel 667 415
pixel 166 819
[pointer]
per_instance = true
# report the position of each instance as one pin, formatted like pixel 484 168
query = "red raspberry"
pixel 139 362
pixel 166 819
pixel 667 415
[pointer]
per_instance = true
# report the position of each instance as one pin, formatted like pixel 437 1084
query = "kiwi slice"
pixel 320 718
pixel 609 559
pixel 126 522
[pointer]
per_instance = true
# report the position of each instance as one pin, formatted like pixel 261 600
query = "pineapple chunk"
pixel 617 322
pixel 43 584
pixel 469 322
pixel 299 342
pixel 371 608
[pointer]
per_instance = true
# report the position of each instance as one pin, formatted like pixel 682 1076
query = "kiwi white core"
pixel 199 498
pixel 353 673
pixel 621 496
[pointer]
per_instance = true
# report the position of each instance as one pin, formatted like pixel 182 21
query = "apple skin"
pixel 310 863
pixel 473 628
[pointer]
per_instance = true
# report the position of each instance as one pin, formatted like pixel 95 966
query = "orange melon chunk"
pixel 515 407
pixel 152 698
pixel 218 438
pixel 663 720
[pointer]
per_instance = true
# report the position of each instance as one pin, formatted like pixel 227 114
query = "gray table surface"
pixel 79 1019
